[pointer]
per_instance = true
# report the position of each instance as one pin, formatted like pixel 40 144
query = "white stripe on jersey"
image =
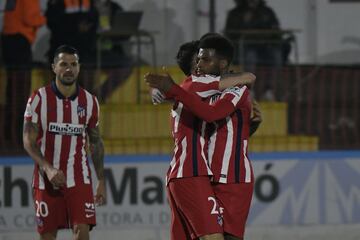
pixel 30 109
pixel 247 164
pixel 208 93
pixel 173 160
pixel 89 110
pixel 83 158
pixel 98 111
pixel 58 137
pixel 228 151
pixel 212 142
pixel 89 106
pixel 43 115
pixel 202 143
pixel 70 179
pixel 182 158
pixel 85 170
pixel 205 78
pixel 176 115
pixel 236 91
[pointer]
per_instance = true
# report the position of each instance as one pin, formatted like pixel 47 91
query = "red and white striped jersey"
pixel 228 143
pixel 189 158
pixel 63 123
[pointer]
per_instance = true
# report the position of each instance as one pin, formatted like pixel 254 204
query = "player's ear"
pixel 53 67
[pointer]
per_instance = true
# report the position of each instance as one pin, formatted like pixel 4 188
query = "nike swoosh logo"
pixel 89 215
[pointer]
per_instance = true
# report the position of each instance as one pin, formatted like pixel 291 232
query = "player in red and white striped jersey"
pixel 181 189
pixel 228 144
pixel 57 121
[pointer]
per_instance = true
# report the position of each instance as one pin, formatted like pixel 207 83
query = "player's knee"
pixel 215 236
pixel 81 232
pixel 48 236
pixel 231 237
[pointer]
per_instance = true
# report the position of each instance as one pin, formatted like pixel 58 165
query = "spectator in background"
pixel 107 10
pixel 259 49
pixel 234 23
pixel 114 59
pixel 75 23
pixel 22 18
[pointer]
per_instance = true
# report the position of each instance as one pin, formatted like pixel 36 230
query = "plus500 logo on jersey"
pixel 66 128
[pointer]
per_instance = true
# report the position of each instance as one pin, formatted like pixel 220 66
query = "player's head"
pixel 240 3
pixel 209 34
pixel 186 57
pixel 255 3
pixel 66 64
pixel 215 54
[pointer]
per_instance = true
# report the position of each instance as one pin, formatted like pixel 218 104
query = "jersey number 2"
pixel 214 209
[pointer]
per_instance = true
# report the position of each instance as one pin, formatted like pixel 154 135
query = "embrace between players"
pixel 210 180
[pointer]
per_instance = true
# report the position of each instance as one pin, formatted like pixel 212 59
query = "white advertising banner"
pixel 290 189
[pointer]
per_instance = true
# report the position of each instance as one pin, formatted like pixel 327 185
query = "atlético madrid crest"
pixel 81 111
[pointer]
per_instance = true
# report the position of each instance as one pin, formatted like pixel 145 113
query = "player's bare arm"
pixel 205 111
pixel 161 82
pixel 30 133
pixel 256 118
pixel 234 79
pixel 97 155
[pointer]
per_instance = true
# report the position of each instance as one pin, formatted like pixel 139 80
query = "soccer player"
pixel 186 59
pixel 189 215
pixel 58 120
pixel 227 148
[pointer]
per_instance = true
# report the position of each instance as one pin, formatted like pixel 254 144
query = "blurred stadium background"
pixel 309 138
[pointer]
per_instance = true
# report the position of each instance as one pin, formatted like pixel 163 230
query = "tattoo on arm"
pixel 97 151
pixel 30 133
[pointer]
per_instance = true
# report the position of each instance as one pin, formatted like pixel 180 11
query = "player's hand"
pixel 161 82
pixel 100 194
pixel 55 176
pixel 256 112
pixel 156 96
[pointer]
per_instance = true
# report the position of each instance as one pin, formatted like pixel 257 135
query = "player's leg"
pixel 81 208
pixel 48 235
pixel 231 237
pixel 195 200
pixel 179 230
pixel 215 236
pixel 235 199
pixel 81 232
pixel 50 212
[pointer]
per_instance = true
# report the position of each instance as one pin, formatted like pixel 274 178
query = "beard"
pixel 216 71
pixel 68 80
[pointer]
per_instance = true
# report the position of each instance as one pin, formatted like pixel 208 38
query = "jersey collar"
pixel 59 94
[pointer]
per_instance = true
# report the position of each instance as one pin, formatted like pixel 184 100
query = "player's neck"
pixel 66 90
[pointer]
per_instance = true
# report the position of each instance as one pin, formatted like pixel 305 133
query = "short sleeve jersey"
pixel 189 158
pixel 228 142
pixel 63 123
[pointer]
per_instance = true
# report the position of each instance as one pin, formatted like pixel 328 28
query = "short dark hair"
pixel 209 34
pixel 65 49
pixel 185 55
pixel 223 46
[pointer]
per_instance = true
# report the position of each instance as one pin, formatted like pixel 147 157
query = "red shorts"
pixel 64 208
pixel 195 211
pixel 235 199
